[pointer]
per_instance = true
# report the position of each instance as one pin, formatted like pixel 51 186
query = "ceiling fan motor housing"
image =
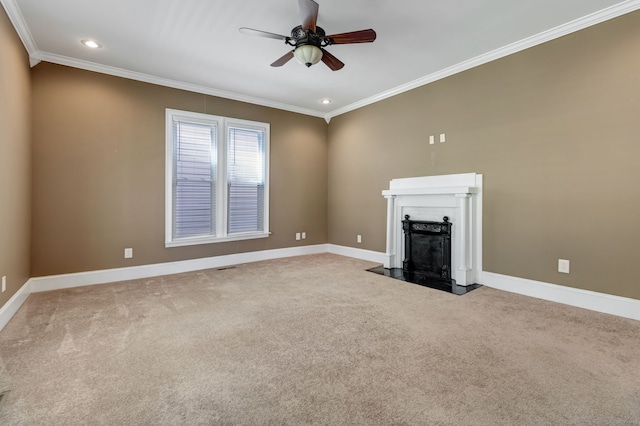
pixel 308 44
pixel 301 37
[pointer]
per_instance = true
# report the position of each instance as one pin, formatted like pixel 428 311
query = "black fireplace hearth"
pixel 419 279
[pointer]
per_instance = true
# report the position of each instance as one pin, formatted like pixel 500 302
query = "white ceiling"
pixel 196 45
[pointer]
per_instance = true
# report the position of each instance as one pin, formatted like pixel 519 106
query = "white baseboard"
pixel 79 279
pixel 594 301
pixel 9 309
pixel 372 256
pixel 599 302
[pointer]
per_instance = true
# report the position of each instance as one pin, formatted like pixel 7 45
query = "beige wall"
pixel 98 151
pixel 555 130
pixel 15 160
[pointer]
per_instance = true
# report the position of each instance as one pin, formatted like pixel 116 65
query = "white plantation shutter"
pixel 246 177
pixel 195 179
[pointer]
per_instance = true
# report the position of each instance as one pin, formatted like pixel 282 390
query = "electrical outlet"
pixel 4 283
pixel 297 236
pixel 304 235
pixel 563 266
pixel 359 239
pixel 128 253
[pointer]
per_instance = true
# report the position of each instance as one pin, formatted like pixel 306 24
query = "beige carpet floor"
pixel 312 340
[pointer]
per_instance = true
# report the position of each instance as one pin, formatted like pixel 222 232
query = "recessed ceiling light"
pixel 90 43
pixel 325 101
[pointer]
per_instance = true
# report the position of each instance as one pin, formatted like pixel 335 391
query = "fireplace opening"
pixel 427 247
pixel 427 262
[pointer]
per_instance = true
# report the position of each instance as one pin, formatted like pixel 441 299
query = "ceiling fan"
pixel 309 40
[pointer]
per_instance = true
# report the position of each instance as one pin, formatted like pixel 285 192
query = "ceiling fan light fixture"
pixel 308 54
pixel 309 40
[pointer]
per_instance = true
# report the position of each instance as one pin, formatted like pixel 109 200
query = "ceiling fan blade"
pixel 331 61
pixel 259 33
pixel 283 60
pixel 309 14
pixel 362 36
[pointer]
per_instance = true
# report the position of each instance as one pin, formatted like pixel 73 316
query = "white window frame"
pixel 222 125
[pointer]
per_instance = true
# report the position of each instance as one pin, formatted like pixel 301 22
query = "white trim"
pixel 599 302
pixel 80 279
pixel 543 37
pixel 446 190
pixel 175 84
pixel 371 256
pixel 478 224
pixel 16 18
pixel 194 241
pixel 9 309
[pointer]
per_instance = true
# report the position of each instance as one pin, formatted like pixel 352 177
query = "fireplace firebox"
pixel 427 248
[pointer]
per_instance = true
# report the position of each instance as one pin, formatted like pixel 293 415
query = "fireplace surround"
pixel 430 198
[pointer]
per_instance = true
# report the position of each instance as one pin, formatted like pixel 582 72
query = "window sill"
pixel 212 240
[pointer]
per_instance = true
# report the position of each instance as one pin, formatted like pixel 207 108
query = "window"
pixel 216 179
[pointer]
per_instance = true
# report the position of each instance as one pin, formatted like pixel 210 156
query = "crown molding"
pixel 552 34
pixel 175 84
pixel 35 55
pixel 16 18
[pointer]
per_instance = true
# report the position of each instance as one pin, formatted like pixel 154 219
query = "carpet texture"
pixel 312 340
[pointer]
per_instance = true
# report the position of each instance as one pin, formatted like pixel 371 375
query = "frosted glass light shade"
pixel 308 54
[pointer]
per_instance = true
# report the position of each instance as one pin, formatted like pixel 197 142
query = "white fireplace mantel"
pixel 430 191
pixel 457 196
